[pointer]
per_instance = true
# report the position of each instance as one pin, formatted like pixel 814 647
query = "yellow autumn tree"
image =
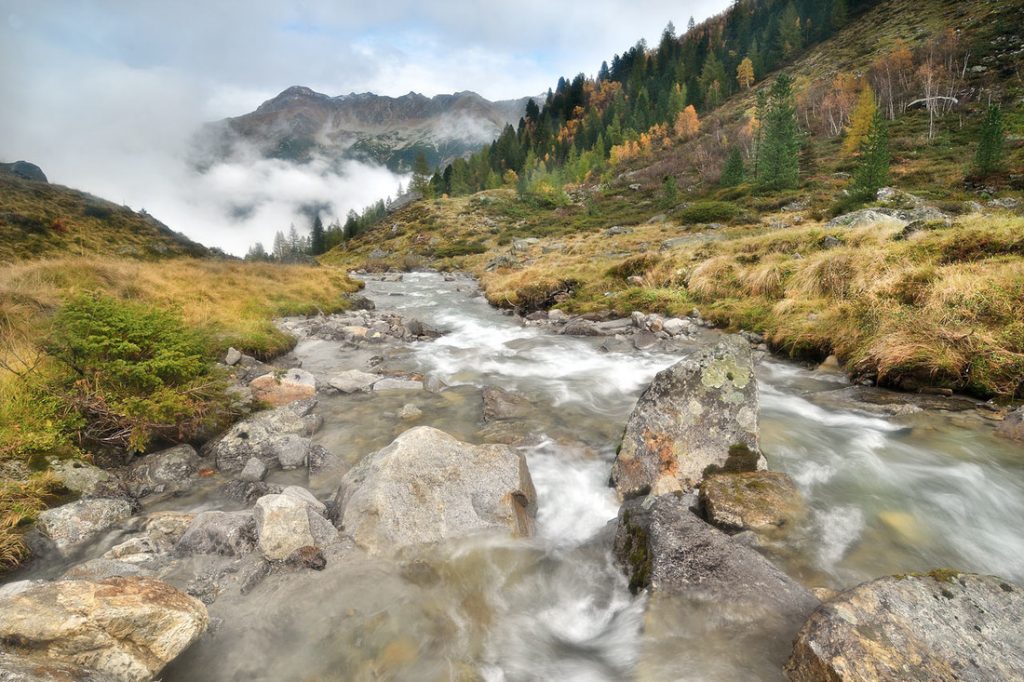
pixel 745 73
pixel 860 120
pixel 687 124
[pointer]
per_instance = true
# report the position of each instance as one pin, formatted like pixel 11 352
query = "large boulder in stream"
pixel 291 521
pixel 174 469
pixel 1013 426
pixel 70 525
pixel 761 501
pixel 943 626
pixel 281 389
pixel 426 486
pixel 120 629
pixel 698 415
pixel 667 549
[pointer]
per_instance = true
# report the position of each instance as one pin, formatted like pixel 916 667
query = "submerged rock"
pixel 699 413
pixel 940 626
pixel 73 524
pixel 121 628
pixel 219 532
pixel 755 500
pixel 502 404
pixel 427 486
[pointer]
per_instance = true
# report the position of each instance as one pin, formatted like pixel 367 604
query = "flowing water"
pixel 910 492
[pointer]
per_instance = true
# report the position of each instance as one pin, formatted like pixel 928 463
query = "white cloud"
pixel 105 96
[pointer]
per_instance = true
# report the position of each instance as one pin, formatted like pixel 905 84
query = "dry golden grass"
pixel 234 301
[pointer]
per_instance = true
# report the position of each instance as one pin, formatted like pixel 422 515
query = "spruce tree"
pixel 317 240
pixel 989 156
pixel 733 172
pixel 779 157
pixel 873 172
pixel 670 191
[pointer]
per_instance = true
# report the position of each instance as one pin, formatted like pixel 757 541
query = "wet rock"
pixel 578 327
pixel 295 384
pixel 391 384
pixel 292 451
pixel 102 568
pixel 171 470
pixel 1013 426
pixel 254 470
pixel 353 380
pixel 941 626
pixel 434 384
pixel 248 491
pixel 219 532
pixel 669 550
pixel 761 501
pixel 427 486
pixel 502 404
pixel 360 302
pixel 87 480
pixel 556 315
pixel 260 436
pixel 232 357
pixel 675 326
pixel 642 340
pixel 286 522
pixel 72 524
pixel 699 413
pixel 122 628
pixel 307 557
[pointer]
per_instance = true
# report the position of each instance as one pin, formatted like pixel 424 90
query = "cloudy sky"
pixel 104 94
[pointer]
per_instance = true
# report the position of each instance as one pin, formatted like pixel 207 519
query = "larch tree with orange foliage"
pixel 687 123
pixel 860 121
pixel 745 73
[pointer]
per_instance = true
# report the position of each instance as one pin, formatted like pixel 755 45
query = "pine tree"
pixel 317 238
pixel 691 24
pixel 733 173
pixel 989 156
pixel 670 190
pixel 779 162
pixel 790 31
pixel 861 120
pixel 745 73
pixel 839 14
pixel 873 172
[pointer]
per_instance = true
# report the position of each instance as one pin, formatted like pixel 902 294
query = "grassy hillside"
pixel 941 307
pixel 40 220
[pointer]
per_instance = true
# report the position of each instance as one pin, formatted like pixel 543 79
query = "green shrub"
pixel 133 373
pixel 459 248
pixel 709 212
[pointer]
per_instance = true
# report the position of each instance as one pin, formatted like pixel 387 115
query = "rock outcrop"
pixel 699 415
pixel 426 486
pixel 121 628
pixel 762 501
pixel 944 626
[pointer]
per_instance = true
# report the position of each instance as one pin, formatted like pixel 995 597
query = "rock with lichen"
pixel 761 501
pixel 699 413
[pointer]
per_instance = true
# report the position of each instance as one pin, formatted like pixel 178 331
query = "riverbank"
pixel 904 294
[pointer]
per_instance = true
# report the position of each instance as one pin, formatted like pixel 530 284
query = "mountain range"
pixel 301 123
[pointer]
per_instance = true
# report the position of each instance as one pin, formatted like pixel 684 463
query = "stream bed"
pixel 891 487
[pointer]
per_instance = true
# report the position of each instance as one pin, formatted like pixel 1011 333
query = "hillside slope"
pixel 40 220
pixel 925 292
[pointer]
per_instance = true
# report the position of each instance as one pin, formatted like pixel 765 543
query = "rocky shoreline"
pixel 697 501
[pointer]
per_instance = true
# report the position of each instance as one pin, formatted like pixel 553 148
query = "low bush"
pixel 709 212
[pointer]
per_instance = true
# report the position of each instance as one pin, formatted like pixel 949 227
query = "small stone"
pixel 254 470
pixel 410 412
pixel 353 381
pixel 307 557
pixel 232 357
